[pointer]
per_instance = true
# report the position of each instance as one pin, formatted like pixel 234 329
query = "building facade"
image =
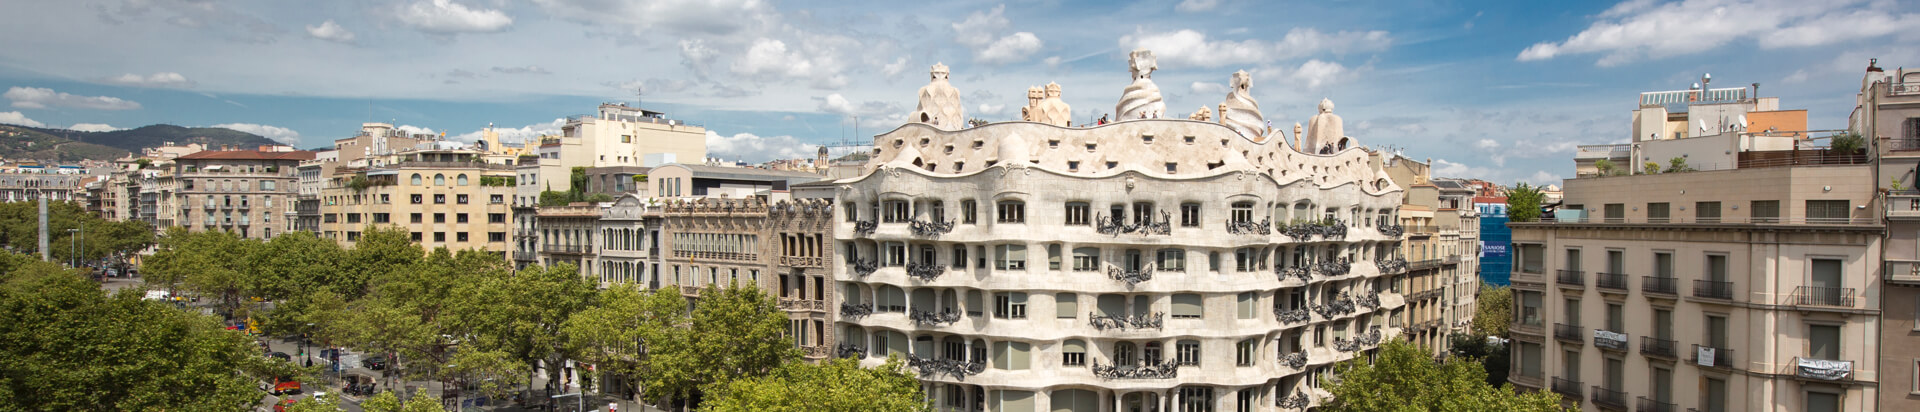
pixel 248 192
pixel 443 197
pixel 1888 115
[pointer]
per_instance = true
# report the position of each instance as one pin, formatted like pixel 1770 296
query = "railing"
pixel 848 350
pixel 1606 339
pixel 1713 289
pixel 1609 398
pixel 1291 316
pixel 1164 370
pixel 1132 277
pixel 1572 277
pixel 1823 296
pixel 864 266
pixel 1237 227
pixel 943 317
pixel 1615 281
pixel 1658 284
pixel 1652 346
pixel 849 310
pixel 925 271
pixel 1423 264
pixel 1728 220
pixel 1123 322
pixel 573 249
pixel 1567 387
pixel 1903 89
pixel 1390 266
pixel 1822 369
pixel 803 261
pixel 933 228
pixel 1569 333
pixel 1904 203
pixel 958 369
pixel 1711 358
pixel 1650 405
pixel 526 256
pixel 864 228
pixel 1779 158
pixel 1116 225
pixel 689 254
pixel 1294 360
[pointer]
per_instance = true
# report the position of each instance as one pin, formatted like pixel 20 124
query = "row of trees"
pixel 103 239
pixel 468 320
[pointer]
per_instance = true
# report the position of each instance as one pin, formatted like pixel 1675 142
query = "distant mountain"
pixel 69 145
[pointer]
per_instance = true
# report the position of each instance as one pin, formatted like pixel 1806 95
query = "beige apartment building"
pixel 247 192
pixel 1735 290
pixel 1889 115
pixel 1440 255
pixel 447 198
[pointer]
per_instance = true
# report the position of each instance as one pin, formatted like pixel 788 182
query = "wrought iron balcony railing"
pixel 1124 322
pixel 1606 339
pixel 1291 316
pixel 1651 405
pixel 1711 357
pixel 1165 370
pixel 1332 267
pixel 1615 281
pixel 1609 398
pixel 1823 296
pixel 864 266
pixel 1132 277
pixel 932 228
pixel 848 350
pixel 1299 272
pixel 1652 346
pixel 1659 285
pixel 864 228
pixel 1294 360
pixel 1341 306
pixel 1567 387
pixel 1240 227
pixel 958 369
pixel 1392 265
pixel 849 310
pixel 1299 400
pixel 1569 333
pixel 1117 225
pixel 1572 277
pixel 943 317
pixel 925 271
pixel 1392 230
pixel 1713 289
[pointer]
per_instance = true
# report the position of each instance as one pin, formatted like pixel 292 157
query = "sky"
pixel 1497 90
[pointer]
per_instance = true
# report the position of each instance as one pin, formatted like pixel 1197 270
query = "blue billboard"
pixel 1496 241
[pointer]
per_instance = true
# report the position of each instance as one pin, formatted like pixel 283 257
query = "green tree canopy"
pixel 610 333
pixel 1405 378
pixel 834 385
pixel 1493 310
pixel 1523 203
pixel 522 313
pixel 736 332
pixel 97 238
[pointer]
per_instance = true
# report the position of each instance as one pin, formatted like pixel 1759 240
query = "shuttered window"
pixel 1827 211
pixel 1016 401
pixel 1244 305
pixel 1186 306
pixel 1066 305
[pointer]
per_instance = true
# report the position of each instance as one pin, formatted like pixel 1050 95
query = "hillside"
pixel 68 145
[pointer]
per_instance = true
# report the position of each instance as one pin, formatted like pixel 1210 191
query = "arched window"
pixel 461 180
pixel 416 179
pixel 439 180
pixel 891 299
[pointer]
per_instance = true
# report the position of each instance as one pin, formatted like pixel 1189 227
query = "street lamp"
pixel 306 338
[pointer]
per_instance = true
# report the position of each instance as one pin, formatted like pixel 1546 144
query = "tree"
pixel 834 385
pixel 611 332
pixel 1523 202
pixel 1604 166
pixel 209 263
pixel 98 238
pixel 70 346
pixel 1677 165
pixel 522 313
pixel 1493 356
pixel 736 332
pixel 1846 143
pixel 288 270
pixel 1493 311
pixel 389 402
pixel 1405 378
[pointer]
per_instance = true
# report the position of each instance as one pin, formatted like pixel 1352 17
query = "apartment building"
pixel 780 247
pixel 448 198
pixel 1440 254
pixel 1888 114
pixel 248 192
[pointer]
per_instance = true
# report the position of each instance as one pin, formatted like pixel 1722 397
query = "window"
pixel 1187 352
pixel 1073 353
pixel 1077 213
pixel 1012 211
pixel 1657 212
pixel 1011 355
pixel 1186 306
pixel 890 298
pixel 1616 318
pixel 381 218
pixel 1530 360
pixel 414 218
pixel 496 218
pixel 439 180
pixel 1530 314
pixel 1010 305
pixel 1765 211
pixel 416 236
pixel 1086 259
pixel 1151 355
pixel 439 199
pixel 1614 212
pixel 896 211
pixel 416 181
pixel 417 199
pixel 1663 264
pixel 1190 215
pixel 1196 399
pixel 1827 211
pixel 1244 352
pixel 440 236
pixel 1066 305
pixel 896 255
pixel 1053 257
pixel 1173 260
pixel 1823 342
pixel 974 307
pixel 1532 258
pixel 1822 402
pixel 938 211
pixel 1714 399
pixel 1010 257
pixel 460 199
pixel 460 236
pixel 461 180
pixel 497 199
pixel 1013 401
pixel 1243 212
pixel 851 211
pixel 496 236
pixel 439 218
pixel 1244 305
pixel 1717 268
pixel 960 256
pixel 353 218
pixel 460 218
pixel 1706 212
pixel 967 213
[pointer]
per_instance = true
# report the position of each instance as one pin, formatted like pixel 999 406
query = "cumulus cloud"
pixel 983 33
pixel 413 130
pixel 330 31
pixel 1194 6
pixel 704 18
pixel 15 118
pixel 521 134
pixel 817 60
pixel 162 79
pixel 872 113
pixel 1193 48
pixel 278 134
pixel 991 109
pixel 756 149
pixel 93 127
pixel 895 69
pixel 1315 73
pixel 1208 88
pixel 444 17
pixel 1636 30
pixel 521 70
pixel 41 98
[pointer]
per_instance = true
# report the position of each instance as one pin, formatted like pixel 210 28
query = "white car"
pixel 157 295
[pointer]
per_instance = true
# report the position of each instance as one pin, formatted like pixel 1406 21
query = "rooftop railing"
pixel 1729 220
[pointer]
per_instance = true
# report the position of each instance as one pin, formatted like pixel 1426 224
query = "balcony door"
pixel 1825 281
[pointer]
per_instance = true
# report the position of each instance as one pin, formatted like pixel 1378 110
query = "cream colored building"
pixel 1440 254
pixel 248 192
pixel 1737 290
pixel 443 197
pixel 1889 116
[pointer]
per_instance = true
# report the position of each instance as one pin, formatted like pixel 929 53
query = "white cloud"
pixel 278 134
pixel 701 18
pixel 1193 48
pixel 1543 178
pixel 330 31
pixel 41 98
pixel 981 32
pixel 93 127
pixel 521 70
pixel 15 118
pixel 893 70
pixel 444 17
pixel 1316 73
pixel 1640 29
pixel 1052 62
pixel 522 134
pixel 991 109
pixel 771 59
pixel 1798 76
pixel 872 114
pixel 1209 89
pixel 162 79
pixel 757 149
pixel 413 130
pixel 1193 6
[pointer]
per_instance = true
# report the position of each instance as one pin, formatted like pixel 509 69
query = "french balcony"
pixel 1652 405
pixel 1822 369
pixel 1572 278
pixel 1656 347
pixel 526 256
pixel 1711 357
pixel 1659 285
pixel 1609 399
pixel 1902 272
pixel 1569 333
pixel 1824 297
pixel 1567 387
pixel 1713 289
pixel 1611 281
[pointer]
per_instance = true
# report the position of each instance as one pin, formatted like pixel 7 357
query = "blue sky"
pixel 1501 90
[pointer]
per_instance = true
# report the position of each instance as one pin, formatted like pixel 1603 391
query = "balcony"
pixel 1903 89
pixel 1569 333
pixel 1609 340
pixel 1572 278
pixel 526 256
pixel 1711 357
pixel 1902 272
pixel 803 261
pixel 1611 281
pixel 1566 387
pixel 1713 289
pixel 1609 399
pixel 1659 285
pixel 567 249
pixel 1650 405
pixel 1822 297
pixel 1822 369
pixel 1903 204
pixel 1656 347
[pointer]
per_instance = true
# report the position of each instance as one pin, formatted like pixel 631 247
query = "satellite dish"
pixel 1703 126
pixel 1743 122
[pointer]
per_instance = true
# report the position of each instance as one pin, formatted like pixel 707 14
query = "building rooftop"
pixel 248 155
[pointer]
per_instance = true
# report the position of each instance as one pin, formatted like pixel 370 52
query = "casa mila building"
pixel 1153 263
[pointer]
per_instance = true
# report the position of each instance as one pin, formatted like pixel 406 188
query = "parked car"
pixel 282 355
pixel 282 386
pixel 374 363
pixel 283 405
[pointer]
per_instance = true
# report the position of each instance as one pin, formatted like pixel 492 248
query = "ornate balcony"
pixel 1299 400
pixel 1573 278
pixel 1711 357
pixel 848 350
pixel 1608 398
pixel 1132 277
pixel 1659 285
pixel 1293 272
pixel 1569 333
pixel 1332 267
pixel 959 370
pixel 1391 265
pixel 1568 388
pixel 1124 322
pixel 1341 306
pixel 848 310
pixel 1650 405
pixel 1165 370
pixel 864 266
pixel 932 229
pixel 925 271
pixel 1656 347
pixel 1117 225
pixel 816 351
pixel 1713 289
pixel 1393 230
pixel 802 304
pixel 1294 360
pixel 803 261
pixel 1369 300
pixel 1264 227
pixel 864 228
pixel 1614 281
pixel 943 317
pixel 1291 316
